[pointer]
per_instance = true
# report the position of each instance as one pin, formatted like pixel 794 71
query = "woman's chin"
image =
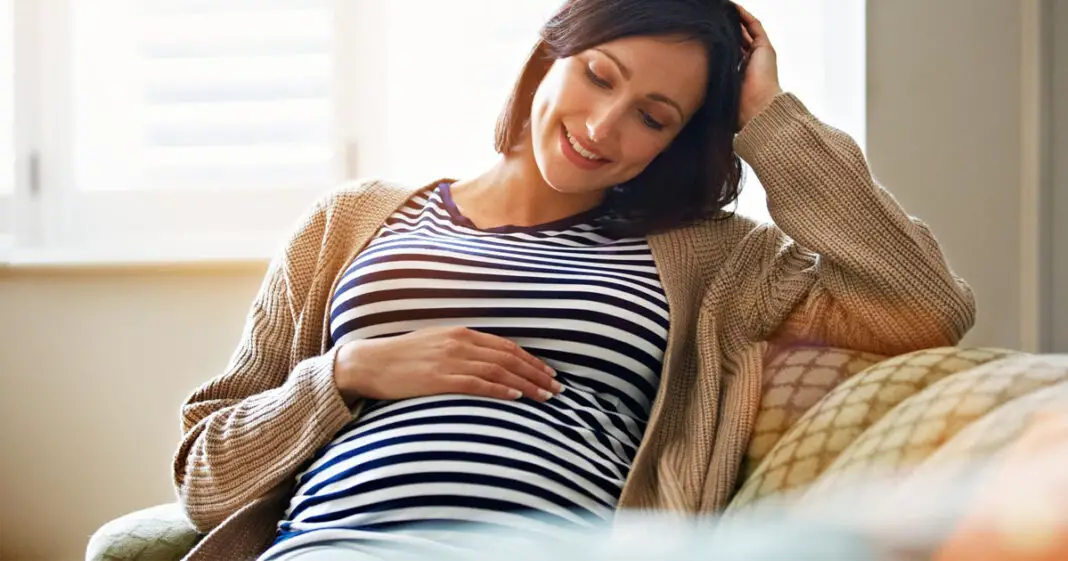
pixel 570 185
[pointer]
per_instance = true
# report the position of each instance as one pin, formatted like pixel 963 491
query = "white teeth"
pixel 578 148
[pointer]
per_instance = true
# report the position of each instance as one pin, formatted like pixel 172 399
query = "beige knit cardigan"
pixel 843 266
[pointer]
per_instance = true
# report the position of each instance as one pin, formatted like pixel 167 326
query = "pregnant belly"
pixel 459 459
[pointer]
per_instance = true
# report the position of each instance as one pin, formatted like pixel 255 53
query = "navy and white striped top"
pixel 589 305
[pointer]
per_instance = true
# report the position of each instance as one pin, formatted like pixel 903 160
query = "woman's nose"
pixel 601 124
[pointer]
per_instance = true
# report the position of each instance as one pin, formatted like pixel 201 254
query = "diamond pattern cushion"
pixel 817 439
pixel 909 434
pixel 160 533
pixel 795 378
pixel 999 429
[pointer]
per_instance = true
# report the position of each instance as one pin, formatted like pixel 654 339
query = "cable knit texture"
pixel 844 266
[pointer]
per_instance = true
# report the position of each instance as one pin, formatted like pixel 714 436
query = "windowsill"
pixel 220 254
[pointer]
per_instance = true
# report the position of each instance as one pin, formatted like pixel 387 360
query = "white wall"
pixel 93 365
pixel 944 137
pixel 93 368
pixel 1059 247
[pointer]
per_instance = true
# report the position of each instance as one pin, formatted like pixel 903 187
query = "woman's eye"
pixel 651 122
pixel 597 80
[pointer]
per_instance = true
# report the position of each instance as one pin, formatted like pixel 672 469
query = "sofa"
pixel 830 420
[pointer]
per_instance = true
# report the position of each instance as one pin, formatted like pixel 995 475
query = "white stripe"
pixel 433 228
pixel 424 489
pixel 549 428
pixel 646 297
pixel 414 467
pixel 449 467
pixel 581 326
pixel 465 467
pixel 630 434
pixel 441 225
pixel 586 239
pixel 595 456
pixel 491 304
pixel 507 260
pixel 504 286
pixel 644 270
pixel 563 455
pixel 511 520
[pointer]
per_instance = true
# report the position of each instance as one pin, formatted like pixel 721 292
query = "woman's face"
pixel 600 117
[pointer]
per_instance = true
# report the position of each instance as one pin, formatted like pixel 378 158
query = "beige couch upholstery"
pixel 829 416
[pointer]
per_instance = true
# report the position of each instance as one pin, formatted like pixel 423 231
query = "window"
pixel 175 129
pixel 7 121
pixel 200 129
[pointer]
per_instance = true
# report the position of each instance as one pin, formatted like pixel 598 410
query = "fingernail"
pixel 550 371
pixel 515 394
pixel 545 394
pixel 557 387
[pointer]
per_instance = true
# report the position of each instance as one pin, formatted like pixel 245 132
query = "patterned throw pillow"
pixel 795 378
pixel 823 432
pixel 914 430
pixel 160 533
pixel 1002 427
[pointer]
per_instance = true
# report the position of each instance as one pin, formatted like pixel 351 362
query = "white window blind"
pixel 7 120
pixel 192 128
pixel 185 94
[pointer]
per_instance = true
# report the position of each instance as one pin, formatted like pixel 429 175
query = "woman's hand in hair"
pixel 436 361
pixel 760 84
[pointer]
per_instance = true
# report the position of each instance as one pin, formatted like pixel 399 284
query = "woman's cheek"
pixel 643 151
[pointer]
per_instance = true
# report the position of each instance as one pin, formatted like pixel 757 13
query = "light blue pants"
pixel 764 542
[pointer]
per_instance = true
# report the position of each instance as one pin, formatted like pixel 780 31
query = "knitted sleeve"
pixel 250 427
pixel 844 265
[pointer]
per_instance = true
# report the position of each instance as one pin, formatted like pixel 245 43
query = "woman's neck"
pixel 514 193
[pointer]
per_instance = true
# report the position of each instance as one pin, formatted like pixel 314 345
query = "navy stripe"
pixel 561 420
pixel 482 503
pixel 531 312
pixel 473 259
pixel 448 477
pixel 474 294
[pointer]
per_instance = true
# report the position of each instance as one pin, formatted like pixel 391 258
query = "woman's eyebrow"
pixel 625 71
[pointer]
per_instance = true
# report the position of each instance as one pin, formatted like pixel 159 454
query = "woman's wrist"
pixel 752 109
pixel 347 375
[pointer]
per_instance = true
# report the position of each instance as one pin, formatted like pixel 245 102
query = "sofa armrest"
pixel 159 533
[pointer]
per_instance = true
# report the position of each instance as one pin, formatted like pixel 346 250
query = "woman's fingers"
pixel 473 385
pixel 747 39
pixel 752 27
pixel 511 347
pixel 521 368
pixel 497 374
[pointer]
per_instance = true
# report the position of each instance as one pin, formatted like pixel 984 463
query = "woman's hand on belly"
pixel 441 361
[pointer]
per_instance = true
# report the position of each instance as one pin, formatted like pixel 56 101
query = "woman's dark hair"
pixel 699 174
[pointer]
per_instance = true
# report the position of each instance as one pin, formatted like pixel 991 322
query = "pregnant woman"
pixel 577 331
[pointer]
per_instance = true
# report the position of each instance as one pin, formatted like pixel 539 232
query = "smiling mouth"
pixel 582 150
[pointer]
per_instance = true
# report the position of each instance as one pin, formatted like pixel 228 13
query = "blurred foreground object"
pixel 1021 511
